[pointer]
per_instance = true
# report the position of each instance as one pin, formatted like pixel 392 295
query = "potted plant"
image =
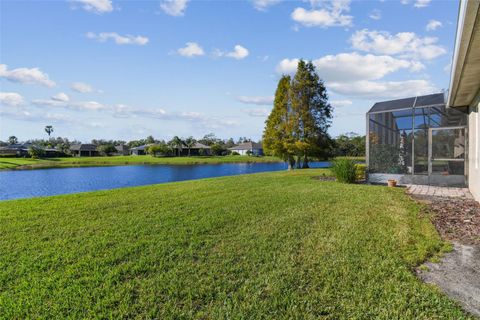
pixel 392 183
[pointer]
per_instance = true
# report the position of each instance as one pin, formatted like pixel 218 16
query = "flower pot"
pixel 392 183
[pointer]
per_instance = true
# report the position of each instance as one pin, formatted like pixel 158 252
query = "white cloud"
pixel 421 3
pixel 262 5
pixel 73 105
pixel 174 8
pixel 191 49
pixel 375 14
pixel 433 25
pixel 366 89
pixel 239 52
pixel 407 44
pixel 11 99
pixel 260 100
pixel 82 87
pixel 96 6
pixel 341 103
pixel 257 112
pixel 196 118
pixel 330 15
pixel 63 97
pixel 26 75
pixel 353 66
pixel 118 39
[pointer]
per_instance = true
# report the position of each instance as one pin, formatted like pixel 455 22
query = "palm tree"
pixel 178 144
pixel 190 142
pixel 12 140
pixel 49 130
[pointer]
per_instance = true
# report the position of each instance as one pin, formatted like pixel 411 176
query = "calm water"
pixel 48 182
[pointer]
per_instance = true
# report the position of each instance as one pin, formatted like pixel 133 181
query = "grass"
pixel 273 245
pixel 21 163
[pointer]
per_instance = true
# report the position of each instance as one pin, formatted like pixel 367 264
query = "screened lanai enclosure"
pixel 417 140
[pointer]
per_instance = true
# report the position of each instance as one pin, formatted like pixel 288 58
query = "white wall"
pixel 474 149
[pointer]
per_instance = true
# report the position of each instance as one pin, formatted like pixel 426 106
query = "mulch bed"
pixel 456 219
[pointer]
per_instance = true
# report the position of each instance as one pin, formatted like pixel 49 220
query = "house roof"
pixel 436 99
pixel 464 79
pixel 199 145
pixel 140 148
pixel 247 146
pixel 83 147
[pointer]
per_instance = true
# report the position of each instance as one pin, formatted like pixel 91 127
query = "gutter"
pixel 458 37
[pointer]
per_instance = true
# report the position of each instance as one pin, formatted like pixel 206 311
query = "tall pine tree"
pixel 312 111
pixel 278 134
pixel 301 116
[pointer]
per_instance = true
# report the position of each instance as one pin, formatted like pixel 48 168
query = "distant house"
pixel 198 149
pixel 15 150
pixel 122 150
pixel 139 151
pixel 243 149
pixel 84 150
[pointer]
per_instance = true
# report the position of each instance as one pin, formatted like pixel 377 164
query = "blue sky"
pixel 128 69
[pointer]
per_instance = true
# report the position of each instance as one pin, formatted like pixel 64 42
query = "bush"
pixel 235 153
pixel 344 170
pixel 36 152
pixel 360 171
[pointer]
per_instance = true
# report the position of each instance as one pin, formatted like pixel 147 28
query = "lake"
pixel 48 182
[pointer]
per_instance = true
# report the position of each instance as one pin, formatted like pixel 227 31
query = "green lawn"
pixel 11 163
pixel 273 245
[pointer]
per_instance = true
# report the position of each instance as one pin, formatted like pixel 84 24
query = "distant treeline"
pixel 348 144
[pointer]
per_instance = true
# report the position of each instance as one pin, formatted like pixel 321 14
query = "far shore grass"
pixel 28 163
pixel 280 245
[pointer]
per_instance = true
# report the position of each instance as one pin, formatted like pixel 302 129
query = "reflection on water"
pixel 47 182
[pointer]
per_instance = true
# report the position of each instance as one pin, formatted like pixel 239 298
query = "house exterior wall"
pixel 255 152
pixel 474 148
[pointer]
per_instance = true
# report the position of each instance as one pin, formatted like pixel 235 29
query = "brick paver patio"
pixel 444 192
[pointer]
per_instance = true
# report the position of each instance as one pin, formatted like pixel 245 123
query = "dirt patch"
pixel 458 275
pixel 458 272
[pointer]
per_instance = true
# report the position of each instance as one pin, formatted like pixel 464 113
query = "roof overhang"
pixel 465 73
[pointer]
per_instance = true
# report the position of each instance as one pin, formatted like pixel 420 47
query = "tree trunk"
pixel 189 152
pixel 299 163
pixel 291 163
pixel 305 162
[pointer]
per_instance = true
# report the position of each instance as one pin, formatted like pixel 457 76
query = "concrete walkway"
pixel 443 192
pixel 458 275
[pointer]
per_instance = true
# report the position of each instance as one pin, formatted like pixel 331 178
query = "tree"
pixel 157 149
pixel 218 149
pixel 278 136
pixel 49 130
pixel 177 144
pixel 107 149
pixel 312 112
pixel 36 151
pixel 349 144
pixel 190 142
pixel 149 140
pixel 209 139
pixel 12 140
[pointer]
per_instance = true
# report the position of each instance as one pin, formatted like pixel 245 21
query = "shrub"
pixel 344 170
pixel 235 153
pixel 36 152
pixel 360 171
